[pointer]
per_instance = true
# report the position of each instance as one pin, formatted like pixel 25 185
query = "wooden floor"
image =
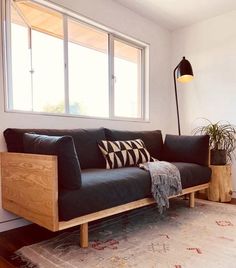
pixel 12 240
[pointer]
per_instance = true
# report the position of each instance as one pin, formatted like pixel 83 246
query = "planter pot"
pixel 218 157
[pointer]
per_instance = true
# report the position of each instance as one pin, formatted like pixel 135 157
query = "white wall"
pixel 125 21
pixel 211 48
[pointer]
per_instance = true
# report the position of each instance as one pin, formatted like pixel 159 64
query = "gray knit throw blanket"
pixel 166 182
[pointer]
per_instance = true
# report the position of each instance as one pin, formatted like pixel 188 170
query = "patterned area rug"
pixel 180 238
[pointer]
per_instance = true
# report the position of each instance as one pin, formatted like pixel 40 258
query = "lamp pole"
pixel 176 100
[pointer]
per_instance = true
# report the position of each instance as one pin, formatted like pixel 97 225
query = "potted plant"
pixel 222 140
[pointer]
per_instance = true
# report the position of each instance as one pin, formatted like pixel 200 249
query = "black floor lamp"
pixel 184 74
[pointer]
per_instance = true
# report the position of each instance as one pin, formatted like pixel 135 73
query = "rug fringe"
pixel 24 262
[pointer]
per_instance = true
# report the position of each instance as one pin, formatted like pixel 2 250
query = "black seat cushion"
pixel 102 189
pixel 85 141
pixel 69 173
pixel 193 174
pixel 152 139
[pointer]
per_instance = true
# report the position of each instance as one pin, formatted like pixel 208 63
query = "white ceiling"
pixel 174 14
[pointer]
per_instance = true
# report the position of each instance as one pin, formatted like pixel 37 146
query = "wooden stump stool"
pixel 221 184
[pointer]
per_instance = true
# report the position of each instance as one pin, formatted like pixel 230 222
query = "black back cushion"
pixel 85 141
pixel 189 149
pixel 69 173
pixel 152 139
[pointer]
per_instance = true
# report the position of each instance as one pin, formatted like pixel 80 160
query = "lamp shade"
pixel 184 71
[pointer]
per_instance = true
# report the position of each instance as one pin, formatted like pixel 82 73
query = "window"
pixel 58 63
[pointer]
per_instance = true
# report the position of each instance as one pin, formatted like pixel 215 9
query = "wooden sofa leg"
pixel 84 235
pixel 192 200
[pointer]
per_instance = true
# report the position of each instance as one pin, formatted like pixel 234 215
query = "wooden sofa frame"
pixel 30 190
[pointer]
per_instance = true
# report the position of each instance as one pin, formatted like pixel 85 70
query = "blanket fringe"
pixel 166 182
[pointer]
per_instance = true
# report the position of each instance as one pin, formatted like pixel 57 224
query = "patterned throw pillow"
pixel 124 153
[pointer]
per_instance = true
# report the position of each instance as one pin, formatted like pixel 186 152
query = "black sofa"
pixel 102 188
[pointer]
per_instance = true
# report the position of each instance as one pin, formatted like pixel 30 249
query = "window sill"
pixel 125 119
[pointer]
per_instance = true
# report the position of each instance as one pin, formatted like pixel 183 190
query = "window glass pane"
pixel 47 56
pixel 127 72
pixel 88 70
pixel 20 64
pixel 48 75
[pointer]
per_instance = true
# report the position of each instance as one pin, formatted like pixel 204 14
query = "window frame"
pixel 112 35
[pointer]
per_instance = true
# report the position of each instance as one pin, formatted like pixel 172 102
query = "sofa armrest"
pixel 189 149
pixel 30 187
